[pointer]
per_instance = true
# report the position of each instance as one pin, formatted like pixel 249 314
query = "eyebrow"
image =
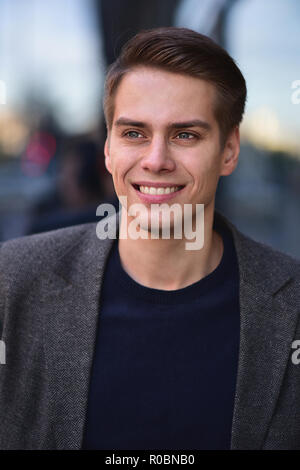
pixel 122 121
pixel 194 123
pixel 129 122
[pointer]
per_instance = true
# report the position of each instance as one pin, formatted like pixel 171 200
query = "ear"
pixel 107 157
pixel 231 152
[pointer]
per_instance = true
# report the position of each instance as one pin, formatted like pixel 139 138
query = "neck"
pixel 166 263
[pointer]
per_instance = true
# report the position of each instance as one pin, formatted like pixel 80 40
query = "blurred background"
pixel 53 58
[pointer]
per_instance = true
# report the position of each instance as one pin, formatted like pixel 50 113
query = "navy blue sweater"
pixel 165 363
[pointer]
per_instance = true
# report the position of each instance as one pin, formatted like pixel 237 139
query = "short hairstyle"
pixel 183 51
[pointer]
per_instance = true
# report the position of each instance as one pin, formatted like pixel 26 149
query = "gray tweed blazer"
pixel 50 294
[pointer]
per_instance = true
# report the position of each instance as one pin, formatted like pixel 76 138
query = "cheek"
pixel 203 167
pixel 123 159
pixel 121 167
pixel 204 171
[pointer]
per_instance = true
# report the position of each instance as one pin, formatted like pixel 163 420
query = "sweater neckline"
pixel 133 289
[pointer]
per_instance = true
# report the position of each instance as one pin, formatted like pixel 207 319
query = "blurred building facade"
pixel 53 58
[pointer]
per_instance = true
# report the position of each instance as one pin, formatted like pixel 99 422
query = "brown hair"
pixel 181 50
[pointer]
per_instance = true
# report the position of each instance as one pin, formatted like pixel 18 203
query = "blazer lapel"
pixel 268 324
pixel 71 300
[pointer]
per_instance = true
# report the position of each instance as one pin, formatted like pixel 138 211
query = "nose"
pixel 157 156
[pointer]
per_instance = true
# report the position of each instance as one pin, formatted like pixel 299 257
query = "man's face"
pixel 164 134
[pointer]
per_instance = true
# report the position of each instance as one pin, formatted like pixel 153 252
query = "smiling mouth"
pixel 157 191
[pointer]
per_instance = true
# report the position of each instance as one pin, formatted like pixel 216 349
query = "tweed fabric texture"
pixel 50 298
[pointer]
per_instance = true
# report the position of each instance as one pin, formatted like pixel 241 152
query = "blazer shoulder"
pixel 267 268
pixel 258 256
pixel 29 253
pixel 265 254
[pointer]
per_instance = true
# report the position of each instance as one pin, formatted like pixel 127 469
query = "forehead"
pixel 159 96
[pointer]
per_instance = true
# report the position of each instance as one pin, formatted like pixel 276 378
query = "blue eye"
pixel 133 134
pixel 185 135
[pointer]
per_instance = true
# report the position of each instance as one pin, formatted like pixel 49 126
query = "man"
pixel 139 342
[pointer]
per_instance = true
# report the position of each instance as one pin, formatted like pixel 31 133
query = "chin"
pixel 163 227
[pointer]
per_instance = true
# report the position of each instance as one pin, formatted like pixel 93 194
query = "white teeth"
pixel 152 190
pixel 145 189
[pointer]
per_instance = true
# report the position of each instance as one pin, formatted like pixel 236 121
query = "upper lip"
pixel 156 185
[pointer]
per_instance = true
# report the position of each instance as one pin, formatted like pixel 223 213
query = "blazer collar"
pixel 73 299
pixel 268 319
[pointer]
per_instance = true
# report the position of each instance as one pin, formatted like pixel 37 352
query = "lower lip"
pixel 157 198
